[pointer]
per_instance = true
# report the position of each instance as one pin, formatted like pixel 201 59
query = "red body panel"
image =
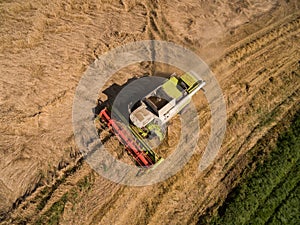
pixel 132 147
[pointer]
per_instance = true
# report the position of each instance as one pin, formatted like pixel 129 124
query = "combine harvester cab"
pixel 151 116
pixel 166 101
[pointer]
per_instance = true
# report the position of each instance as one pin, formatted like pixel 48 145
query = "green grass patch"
pixel 256 200
pixel 288 211
pixel 54 213
pixel 52 216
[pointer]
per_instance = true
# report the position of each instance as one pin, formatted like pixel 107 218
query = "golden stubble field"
pixel 251 46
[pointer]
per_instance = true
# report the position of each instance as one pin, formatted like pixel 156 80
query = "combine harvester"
pixel 150 115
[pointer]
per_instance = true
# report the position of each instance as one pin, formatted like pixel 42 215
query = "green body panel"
pixel 174 80
pixel 156 129
pixel 190 80
pixel 170 88
pixel 140 131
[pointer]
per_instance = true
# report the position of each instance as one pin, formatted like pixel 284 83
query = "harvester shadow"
pixel 111 92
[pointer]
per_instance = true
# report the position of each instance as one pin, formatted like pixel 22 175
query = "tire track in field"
pixel 277 73
pixel 263 38
pixel 251 47
pixel 261 69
